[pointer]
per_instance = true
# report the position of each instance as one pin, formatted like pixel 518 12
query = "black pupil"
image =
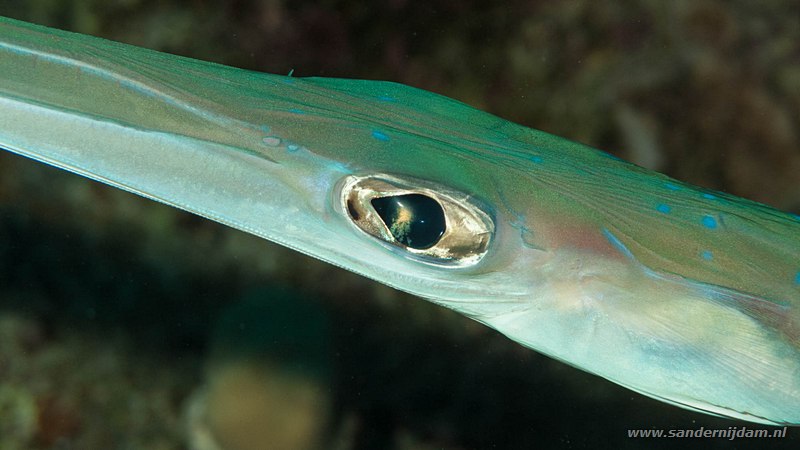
pixel 415 220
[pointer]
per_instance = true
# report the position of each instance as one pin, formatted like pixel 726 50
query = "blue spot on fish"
pixel 662 208
pixel 797 278
pixel 536 159
pixel 387 98
pixel 707 255
pixel 292 148
pixel 672 186
pixel 797 217
pixel 710 196
pixel 296 111
pixel 709 222
pixel 380 136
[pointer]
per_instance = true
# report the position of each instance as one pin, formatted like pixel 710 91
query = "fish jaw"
pixel 666 337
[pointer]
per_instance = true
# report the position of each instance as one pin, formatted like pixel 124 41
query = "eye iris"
pixel 415 220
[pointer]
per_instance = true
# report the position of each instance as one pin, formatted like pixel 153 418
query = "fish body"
pixel 682 294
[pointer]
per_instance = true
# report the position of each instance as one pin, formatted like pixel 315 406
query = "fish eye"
pixel 415 220
pixel 429 222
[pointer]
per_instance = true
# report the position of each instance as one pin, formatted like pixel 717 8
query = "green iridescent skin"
pixel 684 295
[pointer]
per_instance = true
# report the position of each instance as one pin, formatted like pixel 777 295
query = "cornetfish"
pixel 682 294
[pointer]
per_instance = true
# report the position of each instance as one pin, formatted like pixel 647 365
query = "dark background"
pixel 116 311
